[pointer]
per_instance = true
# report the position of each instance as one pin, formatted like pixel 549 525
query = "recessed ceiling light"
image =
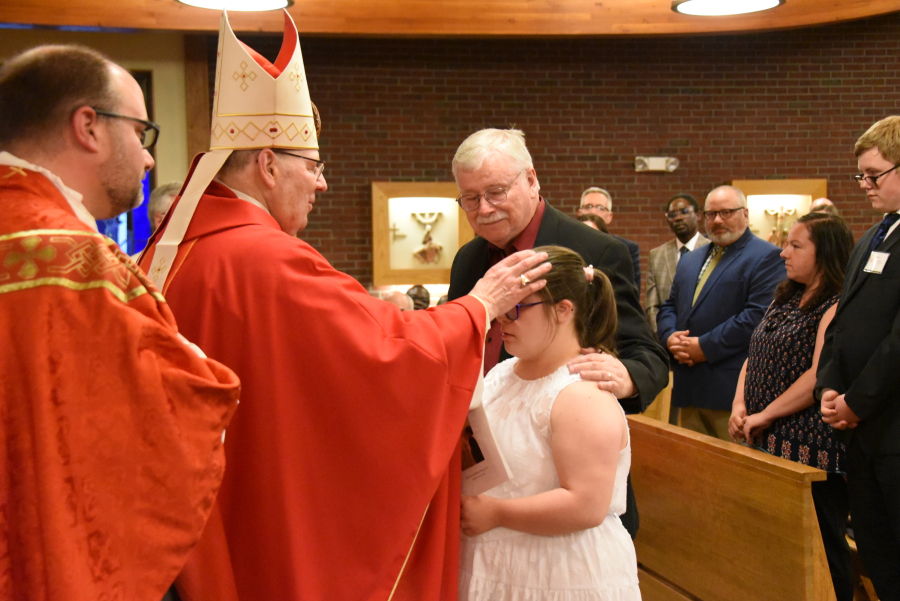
pixel 246 5
pixel 719 8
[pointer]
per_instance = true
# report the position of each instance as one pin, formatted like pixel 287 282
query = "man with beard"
pixel 719 295
pixel 682 215
pixel 111 437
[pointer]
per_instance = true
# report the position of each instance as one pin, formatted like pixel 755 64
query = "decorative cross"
pixel 296 76
pixel 15 171
pixel 158 270
pixel 244 75
pixel 29 257
pixel 395 232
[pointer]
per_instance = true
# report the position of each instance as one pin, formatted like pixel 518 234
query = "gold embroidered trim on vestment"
pixel 72 259
pixel 408 553
pixel 123 296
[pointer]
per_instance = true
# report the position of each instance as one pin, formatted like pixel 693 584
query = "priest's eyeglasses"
pixel 495 196
pixel 872 179
pixel 513 314
pixel 320 165
pixel 148 136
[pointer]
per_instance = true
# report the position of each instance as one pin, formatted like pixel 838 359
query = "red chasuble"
pixel 338 485
pixel 110 425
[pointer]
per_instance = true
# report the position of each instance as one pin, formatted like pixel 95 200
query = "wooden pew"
pixel 722 522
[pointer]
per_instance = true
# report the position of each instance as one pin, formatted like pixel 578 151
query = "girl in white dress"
pixel 552 533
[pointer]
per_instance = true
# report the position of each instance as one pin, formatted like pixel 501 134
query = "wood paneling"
pixel 445 17
pixel 196 86
pixel 721 522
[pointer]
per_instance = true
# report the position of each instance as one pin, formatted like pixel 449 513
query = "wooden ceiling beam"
pixel 439 18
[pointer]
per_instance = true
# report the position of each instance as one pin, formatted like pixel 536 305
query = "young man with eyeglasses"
pixel 500 193
pixel 112 423
pixel 682 215
pixel 719 295
pixel 859 368
pixel 597 201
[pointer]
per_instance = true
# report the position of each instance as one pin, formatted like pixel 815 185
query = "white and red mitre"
pixel 256 104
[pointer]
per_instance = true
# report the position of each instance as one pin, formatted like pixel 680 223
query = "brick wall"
pixel 774 105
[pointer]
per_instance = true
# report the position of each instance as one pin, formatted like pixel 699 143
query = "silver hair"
pixel 508 142
pixel 156 205
pixel 595 190
pixel 741 198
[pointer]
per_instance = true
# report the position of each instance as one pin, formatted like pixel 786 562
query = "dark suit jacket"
pixel 730 306
pixel 861 355
pixel 635 251
pixel 646 361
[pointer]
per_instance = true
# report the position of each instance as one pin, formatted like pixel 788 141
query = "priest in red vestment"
pixel 337 484
pixel 111 432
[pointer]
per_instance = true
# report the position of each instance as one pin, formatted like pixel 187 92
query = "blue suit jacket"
pixel 730 306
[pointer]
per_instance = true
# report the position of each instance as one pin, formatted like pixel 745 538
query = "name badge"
pixel 876 262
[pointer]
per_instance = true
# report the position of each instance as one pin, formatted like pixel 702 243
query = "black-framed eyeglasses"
pixel 513 314
pixel 724 213
pixel 320 164
pixel 872 179
pixel 151 129
pixel 673 215
pixel 495 196
pixel 590 207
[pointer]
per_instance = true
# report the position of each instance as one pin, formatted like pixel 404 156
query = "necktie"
pixel 683 250
pixel 882 231
pixel 715 255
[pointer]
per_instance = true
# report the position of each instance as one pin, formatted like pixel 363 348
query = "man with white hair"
pixel 718 297
pixel 500 193
pixel 344 462
pixel 160 201
pixel 597 201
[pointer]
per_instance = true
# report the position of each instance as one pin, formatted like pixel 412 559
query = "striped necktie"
pixel 711 263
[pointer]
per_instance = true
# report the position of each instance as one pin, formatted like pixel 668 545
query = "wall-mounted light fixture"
pixel 668 164
pixel 240 5
pixel 720 8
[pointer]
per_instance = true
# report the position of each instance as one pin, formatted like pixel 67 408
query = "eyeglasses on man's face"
pixel 320 165
pixel 513 314
pixel 724 213
pixel 673 215
pixel 495 196
pixel 590 207
pixel 148 135
pixel 872 180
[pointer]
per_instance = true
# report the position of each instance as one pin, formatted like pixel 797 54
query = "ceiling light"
pixel 247 5
pixel 718 8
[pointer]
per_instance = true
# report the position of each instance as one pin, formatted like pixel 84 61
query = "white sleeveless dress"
pixel 597 564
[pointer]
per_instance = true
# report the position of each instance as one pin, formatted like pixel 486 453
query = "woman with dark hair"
pixel 774 409
pixel 553 530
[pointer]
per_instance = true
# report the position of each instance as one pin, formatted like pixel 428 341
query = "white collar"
pixel 691 244
pixel 72 197
pixel 893 227
pixel 246 197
